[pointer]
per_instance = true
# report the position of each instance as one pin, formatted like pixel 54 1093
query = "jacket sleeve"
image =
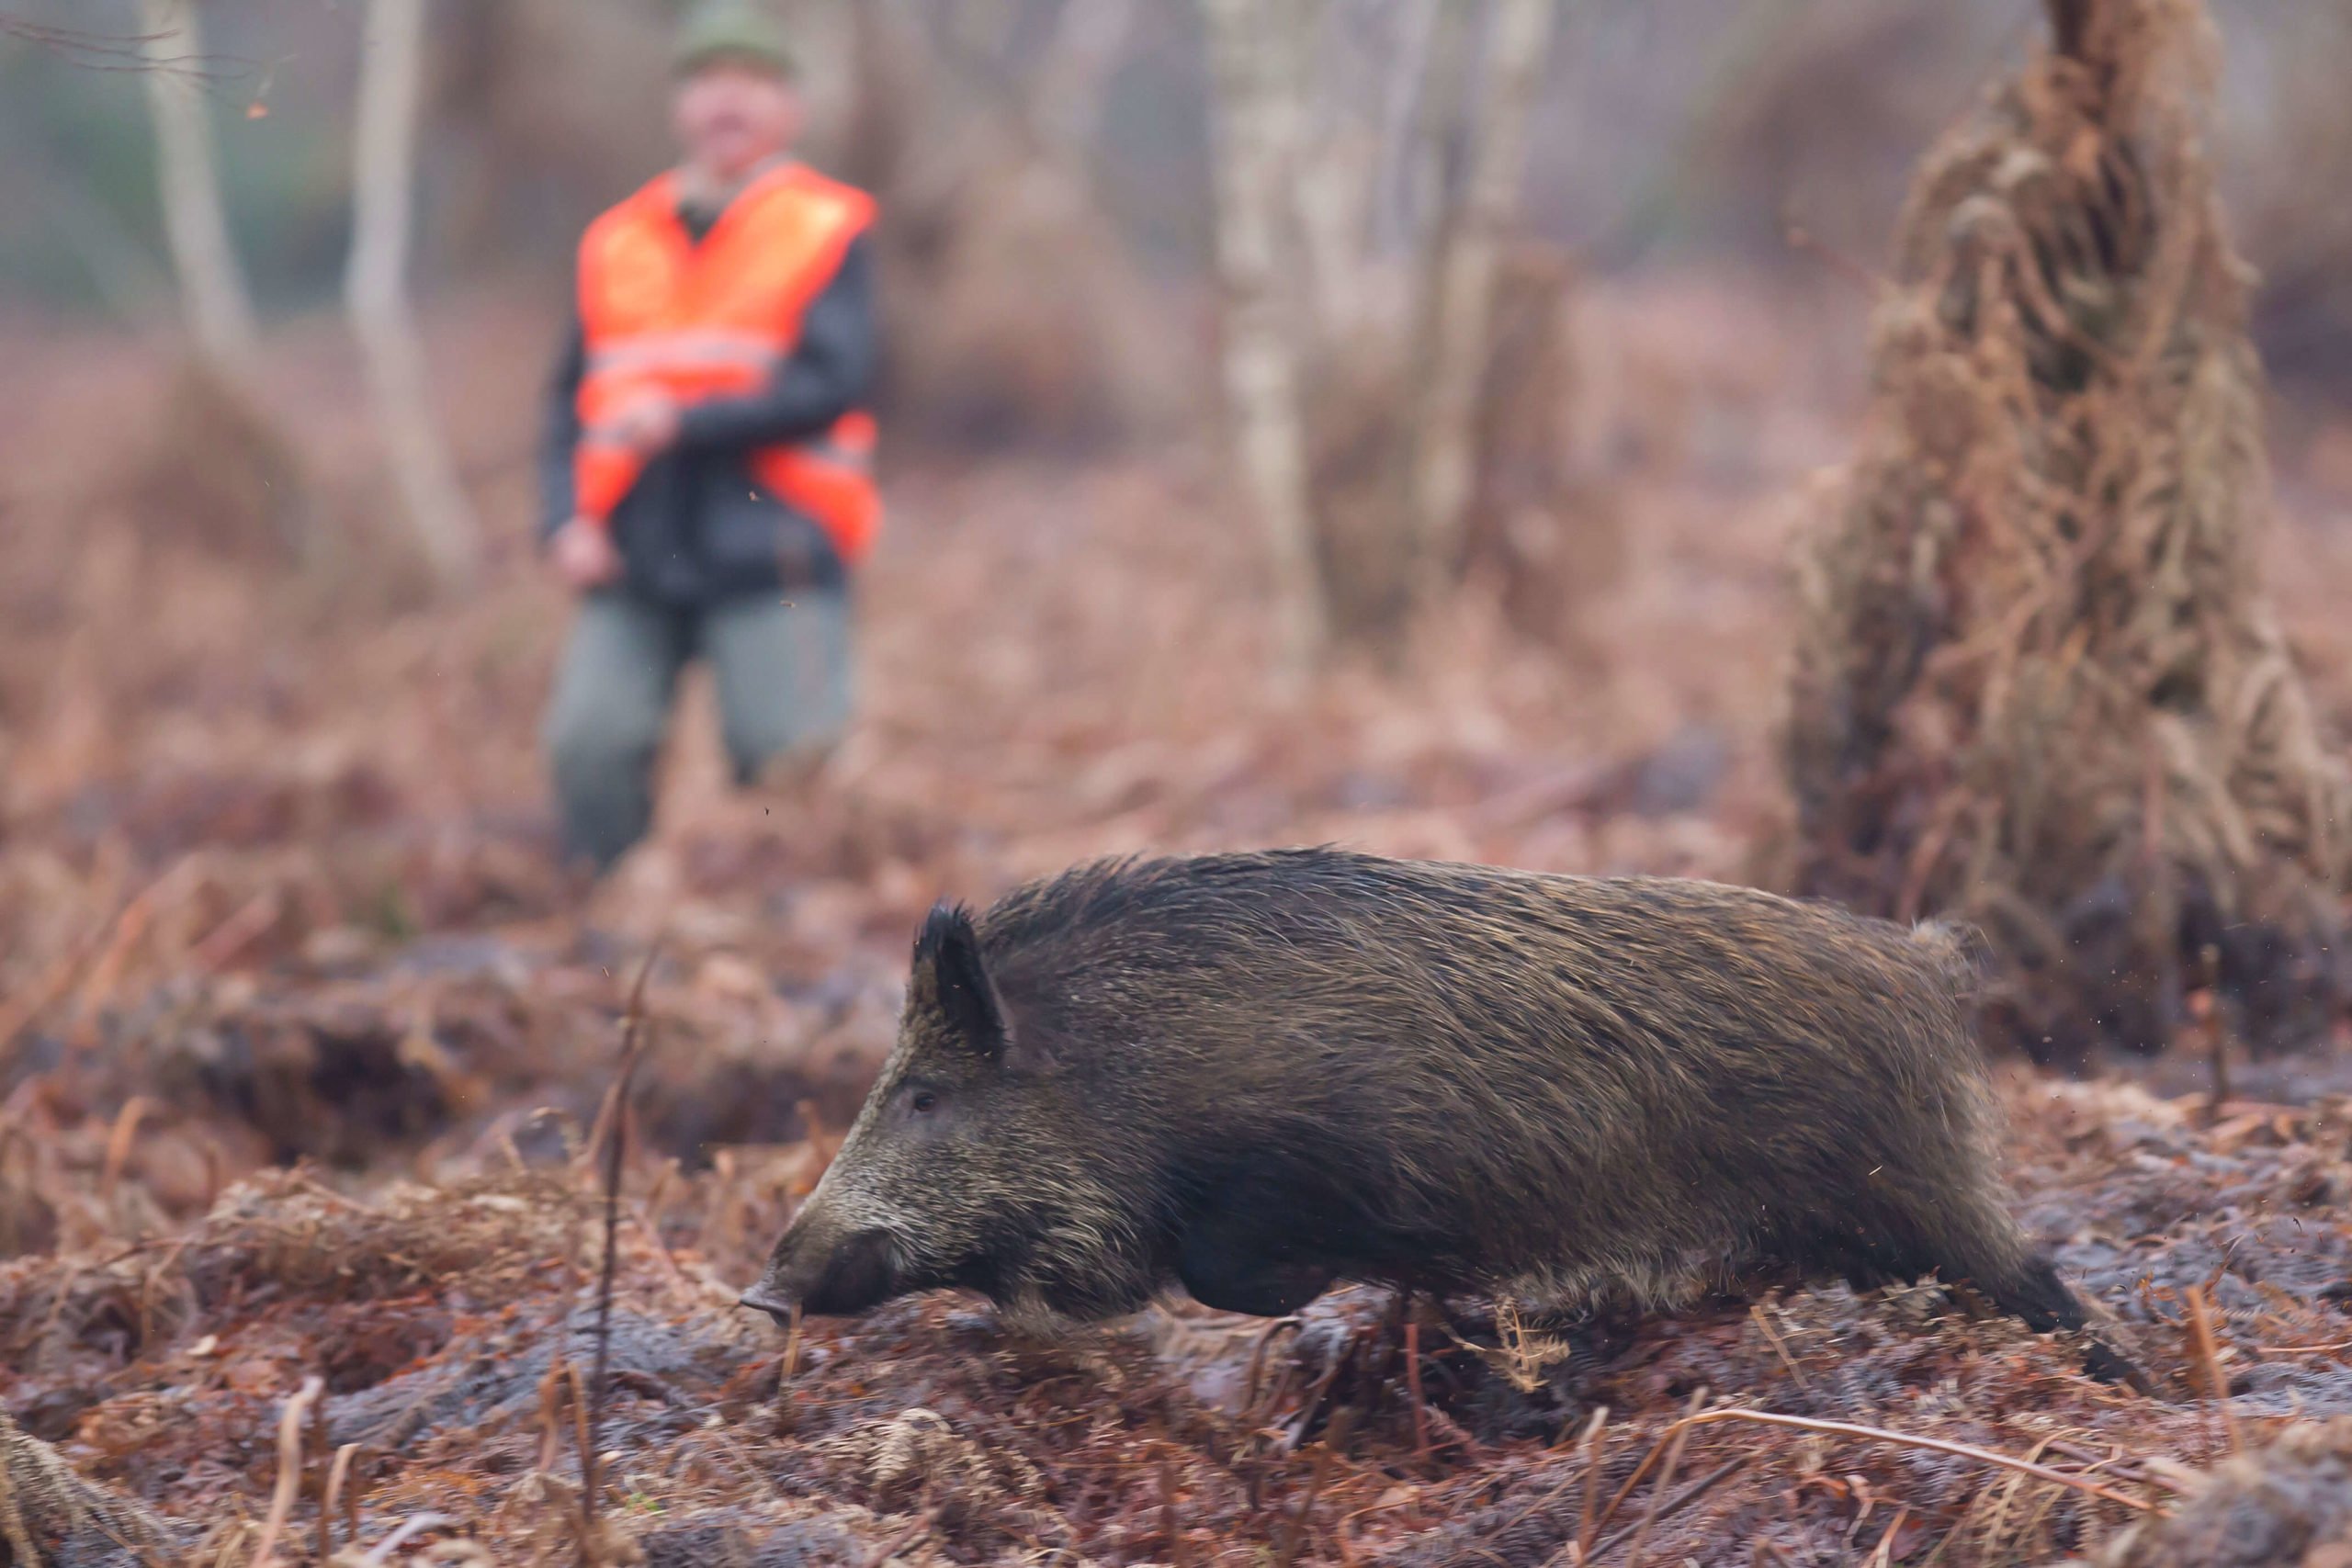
pixel 560 428
pixel 829 373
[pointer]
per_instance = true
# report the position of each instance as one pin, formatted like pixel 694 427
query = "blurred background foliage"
pixel 1663 131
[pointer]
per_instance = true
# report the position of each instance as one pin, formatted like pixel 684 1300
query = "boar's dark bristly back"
pixel 1255 1074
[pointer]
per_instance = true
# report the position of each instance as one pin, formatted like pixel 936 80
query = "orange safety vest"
pixel 715 319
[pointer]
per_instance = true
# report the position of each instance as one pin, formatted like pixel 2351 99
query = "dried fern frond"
pixel 2038 685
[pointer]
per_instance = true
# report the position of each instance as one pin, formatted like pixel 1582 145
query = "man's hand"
pixel 585 556
pixel 645 425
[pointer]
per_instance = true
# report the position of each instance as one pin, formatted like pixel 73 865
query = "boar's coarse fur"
pixel 1259 1074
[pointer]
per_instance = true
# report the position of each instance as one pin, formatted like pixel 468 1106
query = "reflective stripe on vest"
pixel 660 311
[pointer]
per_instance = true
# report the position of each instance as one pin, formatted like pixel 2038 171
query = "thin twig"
pixel 1884 1556
pixel 1286 1550
pixel 1258 1358
pixel 70 969
pixel 1413 1386
pixel 1674 1505
pixel 290 1468
pixel 2217 1033
pixel 633 1035
pixel 1592 1441
pixel 584 1438
pixel 791 1365
pixel 1763 1321
pixel 1664 1480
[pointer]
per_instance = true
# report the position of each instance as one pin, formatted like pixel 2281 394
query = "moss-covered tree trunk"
pixel 2038 685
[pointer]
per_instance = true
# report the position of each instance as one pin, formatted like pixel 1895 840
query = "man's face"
pixel 731 115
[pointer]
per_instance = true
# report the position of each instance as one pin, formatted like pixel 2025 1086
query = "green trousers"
pixel 782 664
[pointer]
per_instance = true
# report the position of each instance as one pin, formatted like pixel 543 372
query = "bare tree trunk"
pixel 1459 293
pixel 376 294
pixel 212 287
pixel 1400 101
pixel 1256 126
pixel 1330 182
pixel 1073 80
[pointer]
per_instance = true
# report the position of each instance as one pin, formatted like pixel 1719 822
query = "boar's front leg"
pixel 1236 1257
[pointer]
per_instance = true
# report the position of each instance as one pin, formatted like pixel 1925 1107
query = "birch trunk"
pixel 1459 293
pixel 376 293
pixel 218 307
pixel 1256 124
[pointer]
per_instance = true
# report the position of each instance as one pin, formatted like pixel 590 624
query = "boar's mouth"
pixel 851 1276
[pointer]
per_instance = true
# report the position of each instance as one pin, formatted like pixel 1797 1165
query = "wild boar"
pixel 1260 1074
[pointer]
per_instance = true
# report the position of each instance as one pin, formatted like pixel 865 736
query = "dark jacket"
pixel 695 529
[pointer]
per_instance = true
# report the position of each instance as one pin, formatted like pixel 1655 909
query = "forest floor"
pixel 303 1035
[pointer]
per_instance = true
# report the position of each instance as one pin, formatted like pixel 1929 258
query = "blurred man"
pixel 707 465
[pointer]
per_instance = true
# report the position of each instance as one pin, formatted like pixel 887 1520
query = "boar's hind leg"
pixel 2035 1296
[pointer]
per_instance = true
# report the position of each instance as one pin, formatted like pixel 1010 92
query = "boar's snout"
pixel 835 1278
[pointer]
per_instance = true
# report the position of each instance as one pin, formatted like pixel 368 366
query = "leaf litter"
pixel 303 1039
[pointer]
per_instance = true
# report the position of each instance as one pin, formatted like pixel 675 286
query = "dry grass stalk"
pixel 2208 1360
pixel 2038 684
pixel 1591 1521
pixel 289 1469
pixel 338 1489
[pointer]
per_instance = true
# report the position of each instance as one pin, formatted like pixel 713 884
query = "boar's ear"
pixel 950 949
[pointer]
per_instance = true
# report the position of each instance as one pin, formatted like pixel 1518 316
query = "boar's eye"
pixel 924 1100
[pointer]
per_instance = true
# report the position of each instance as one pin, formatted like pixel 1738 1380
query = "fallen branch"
pixel 1884 1435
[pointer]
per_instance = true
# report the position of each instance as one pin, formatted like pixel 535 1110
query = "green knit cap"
pixel 731 30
